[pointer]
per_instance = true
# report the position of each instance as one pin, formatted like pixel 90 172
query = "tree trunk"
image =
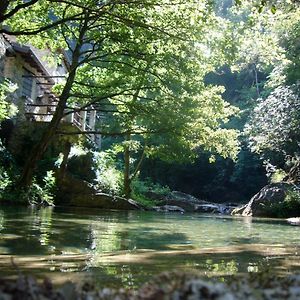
pixel 127 180
pixel 139 164
pixel 256 80
pixel 40 148
pixel 63 166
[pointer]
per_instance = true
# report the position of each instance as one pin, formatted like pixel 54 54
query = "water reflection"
pixel 125 248
pixel 42 222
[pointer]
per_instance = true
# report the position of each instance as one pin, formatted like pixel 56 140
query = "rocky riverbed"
pixel 167 286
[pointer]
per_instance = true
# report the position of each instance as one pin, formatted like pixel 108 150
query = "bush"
pixel 108 178
pixel 35 194
pixel 147 192
pixel 38 194
pixel 5 181
pixel 278 176
pixel 290 207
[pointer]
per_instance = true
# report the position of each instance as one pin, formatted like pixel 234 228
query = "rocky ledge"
pixel 79 193
pixel 181 202
pixel 167 286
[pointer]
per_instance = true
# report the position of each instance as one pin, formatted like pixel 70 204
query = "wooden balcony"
pixel 44 113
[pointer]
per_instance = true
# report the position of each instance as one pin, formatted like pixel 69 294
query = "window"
pixel 27 84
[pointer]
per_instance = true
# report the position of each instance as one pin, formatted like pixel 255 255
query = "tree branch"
pixel 4 5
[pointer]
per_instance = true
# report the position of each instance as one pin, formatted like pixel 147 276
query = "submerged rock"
pixel 169 208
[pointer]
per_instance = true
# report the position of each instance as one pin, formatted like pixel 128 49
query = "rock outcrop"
pixel 267 201
pixel 77 192
pixel 185 201
pixel 190 203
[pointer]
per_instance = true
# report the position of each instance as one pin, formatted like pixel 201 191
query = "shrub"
pixel 147 192
pixel 278 176
pixel 38 194
pixel 108 178
pixel 5 181
pixel 290 207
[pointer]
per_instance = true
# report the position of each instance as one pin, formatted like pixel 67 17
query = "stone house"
pixel 30 70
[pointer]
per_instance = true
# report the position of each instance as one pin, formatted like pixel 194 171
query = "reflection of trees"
pixel 105 237
pixel 1 219
pixel 45 215
pixel 222 267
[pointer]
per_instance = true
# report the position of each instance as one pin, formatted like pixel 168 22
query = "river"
pixel 126 248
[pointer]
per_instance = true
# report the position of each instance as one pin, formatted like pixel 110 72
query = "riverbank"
pixel 168 285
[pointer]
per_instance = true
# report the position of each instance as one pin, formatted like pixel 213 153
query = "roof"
pixel 32 55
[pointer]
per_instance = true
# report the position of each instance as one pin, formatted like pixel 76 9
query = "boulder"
pixel 76 192
pixel 103 201
pixel 267 201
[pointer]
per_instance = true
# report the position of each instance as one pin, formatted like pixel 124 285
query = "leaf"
pixel 273 9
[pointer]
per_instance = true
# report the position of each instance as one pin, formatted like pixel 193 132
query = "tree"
pixel 133 62
pixel 155 98
pixel 273 129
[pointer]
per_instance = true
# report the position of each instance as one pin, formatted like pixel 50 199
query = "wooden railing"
pixel 45 112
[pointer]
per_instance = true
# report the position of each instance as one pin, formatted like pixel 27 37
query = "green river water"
pixel 126 248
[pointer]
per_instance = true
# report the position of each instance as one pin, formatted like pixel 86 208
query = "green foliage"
pixel 290 207
pixel 7 109
pixel 147 192
pixel 142 67
pixel 5 181
pixel 36 194
pixel 274 123
pixel 7 171
pixel 40 194
pixel 278 176
pixel 108 177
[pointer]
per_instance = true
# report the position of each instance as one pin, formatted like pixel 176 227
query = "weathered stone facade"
pixel 29 69
pixel 2 54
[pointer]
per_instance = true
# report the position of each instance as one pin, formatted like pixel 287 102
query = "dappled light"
pixel 140 138
pixel 132 246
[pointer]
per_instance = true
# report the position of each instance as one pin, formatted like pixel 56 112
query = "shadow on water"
pixel 126 248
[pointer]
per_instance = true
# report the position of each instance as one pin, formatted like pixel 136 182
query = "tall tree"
pixel 140 63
